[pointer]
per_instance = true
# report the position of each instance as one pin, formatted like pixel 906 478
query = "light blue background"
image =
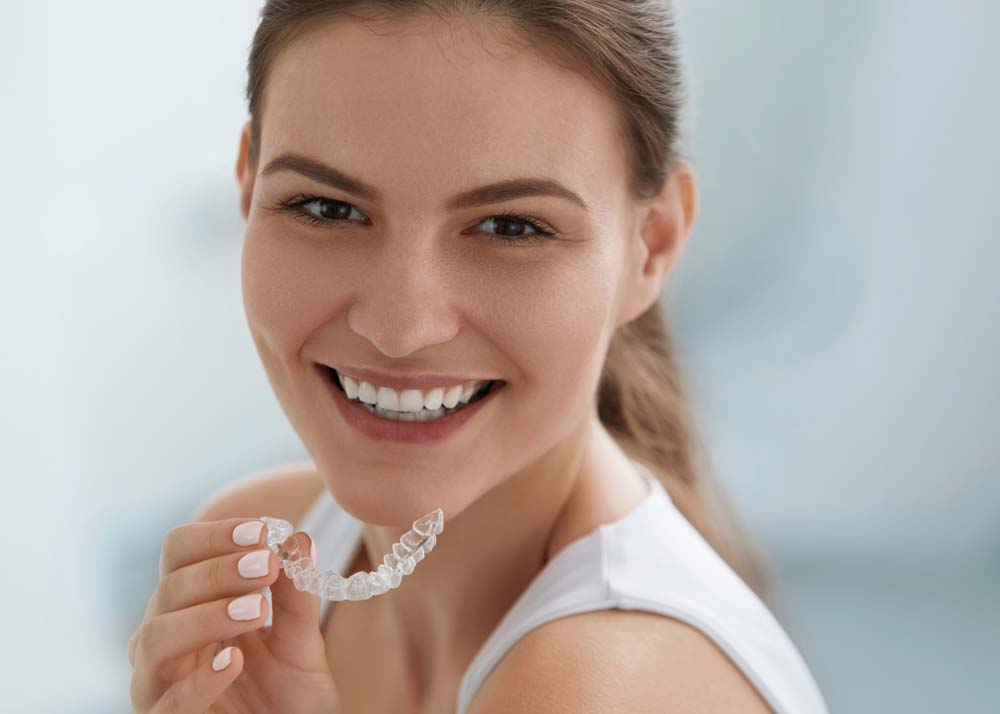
pixel 836 309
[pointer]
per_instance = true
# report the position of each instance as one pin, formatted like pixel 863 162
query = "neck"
pixel 488 554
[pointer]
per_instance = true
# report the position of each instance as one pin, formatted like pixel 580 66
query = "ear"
pixel 244 174
pixel 665 221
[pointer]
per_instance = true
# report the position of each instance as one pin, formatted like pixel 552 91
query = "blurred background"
pixel 836 309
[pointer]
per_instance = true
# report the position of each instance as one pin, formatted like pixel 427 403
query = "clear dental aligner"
pixel 329 585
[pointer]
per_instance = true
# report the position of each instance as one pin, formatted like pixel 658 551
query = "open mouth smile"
pixel 409 415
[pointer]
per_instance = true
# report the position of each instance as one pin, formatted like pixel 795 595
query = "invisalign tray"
pixel 329 585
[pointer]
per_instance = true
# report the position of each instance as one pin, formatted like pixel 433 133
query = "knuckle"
pixel 136 697
pixel 133 643
pixel 207 618
pixel 165 594
pixel 170 541
pixel 218 573
pixel 154 607
pixel 145 638
pixel 217 541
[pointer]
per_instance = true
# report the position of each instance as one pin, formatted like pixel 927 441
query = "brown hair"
pixel 630 49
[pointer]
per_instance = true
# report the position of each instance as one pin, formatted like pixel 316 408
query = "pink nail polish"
pixel 247 533
pixel 246 607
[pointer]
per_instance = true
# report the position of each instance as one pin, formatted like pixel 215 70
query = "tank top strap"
pixel 572 582
pixel 653 560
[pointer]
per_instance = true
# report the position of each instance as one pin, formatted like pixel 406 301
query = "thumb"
pixel 295 619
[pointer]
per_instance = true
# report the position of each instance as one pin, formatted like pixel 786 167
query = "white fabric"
pixel 652 559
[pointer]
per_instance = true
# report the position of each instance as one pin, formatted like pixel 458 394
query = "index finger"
pixel 194 542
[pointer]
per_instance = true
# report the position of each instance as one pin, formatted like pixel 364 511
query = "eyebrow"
pixel 491 193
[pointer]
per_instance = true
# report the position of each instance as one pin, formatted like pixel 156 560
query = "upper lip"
pixel 402 380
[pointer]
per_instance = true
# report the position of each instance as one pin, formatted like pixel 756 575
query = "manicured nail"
pixel 253 565
pixel 247 533
pixel 312 550
pixel 222 659
pixel 246 607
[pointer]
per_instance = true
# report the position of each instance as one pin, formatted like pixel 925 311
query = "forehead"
pixel 450 104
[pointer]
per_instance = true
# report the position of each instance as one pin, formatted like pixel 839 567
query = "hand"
pixel 187 623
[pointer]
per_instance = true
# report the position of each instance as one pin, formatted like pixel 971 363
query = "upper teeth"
pixel 409 400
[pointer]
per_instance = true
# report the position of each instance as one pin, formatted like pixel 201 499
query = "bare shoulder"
pixel 283 492
pixel 616 660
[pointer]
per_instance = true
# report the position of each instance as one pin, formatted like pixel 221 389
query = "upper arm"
pixel 616 661
pixel 282 492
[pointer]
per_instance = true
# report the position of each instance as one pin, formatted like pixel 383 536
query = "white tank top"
pixel 651 559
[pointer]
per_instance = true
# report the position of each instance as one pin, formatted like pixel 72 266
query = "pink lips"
pixel 412 432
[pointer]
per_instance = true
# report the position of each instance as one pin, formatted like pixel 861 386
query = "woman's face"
pixel 404 280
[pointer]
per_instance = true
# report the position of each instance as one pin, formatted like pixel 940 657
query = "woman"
pixel 460 217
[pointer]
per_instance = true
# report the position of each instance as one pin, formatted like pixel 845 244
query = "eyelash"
pixel 295 207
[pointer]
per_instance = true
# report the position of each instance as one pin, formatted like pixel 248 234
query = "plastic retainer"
pixel 330 585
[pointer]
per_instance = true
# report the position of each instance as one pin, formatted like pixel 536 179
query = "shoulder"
pixel 282 492
pixel 616 660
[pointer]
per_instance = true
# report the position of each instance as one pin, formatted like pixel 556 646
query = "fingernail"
pixel 312 550
pixel 222 659
pixel 246 607
pixel 253 565
pixel 247 533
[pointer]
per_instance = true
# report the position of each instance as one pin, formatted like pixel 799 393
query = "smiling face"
pixel 405 278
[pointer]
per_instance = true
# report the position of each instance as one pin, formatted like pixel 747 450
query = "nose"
pixel 404 303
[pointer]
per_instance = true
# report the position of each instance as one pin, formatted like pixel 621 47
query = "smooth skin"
pixel 402 280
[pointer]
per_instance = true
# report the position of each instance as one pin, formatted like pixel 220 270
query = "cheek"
pixel 284 296
pixel 556 315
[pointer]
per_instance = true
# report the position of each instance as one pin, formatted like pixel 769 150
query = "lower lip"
pixel 413 432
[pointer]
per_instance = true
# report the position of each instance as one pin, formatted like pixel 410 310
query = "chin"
pixel 388 496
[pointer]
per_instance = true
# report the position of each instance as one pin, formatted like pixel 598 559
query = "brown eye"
pixel 513 229
pixel 330 210
pixel 320 211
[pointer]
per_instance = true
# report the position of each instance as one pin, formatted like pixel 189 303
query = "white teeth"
pixel 367 393
pixel 434 398
pixel 452 396
pixel 410 401
pixel 388 398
